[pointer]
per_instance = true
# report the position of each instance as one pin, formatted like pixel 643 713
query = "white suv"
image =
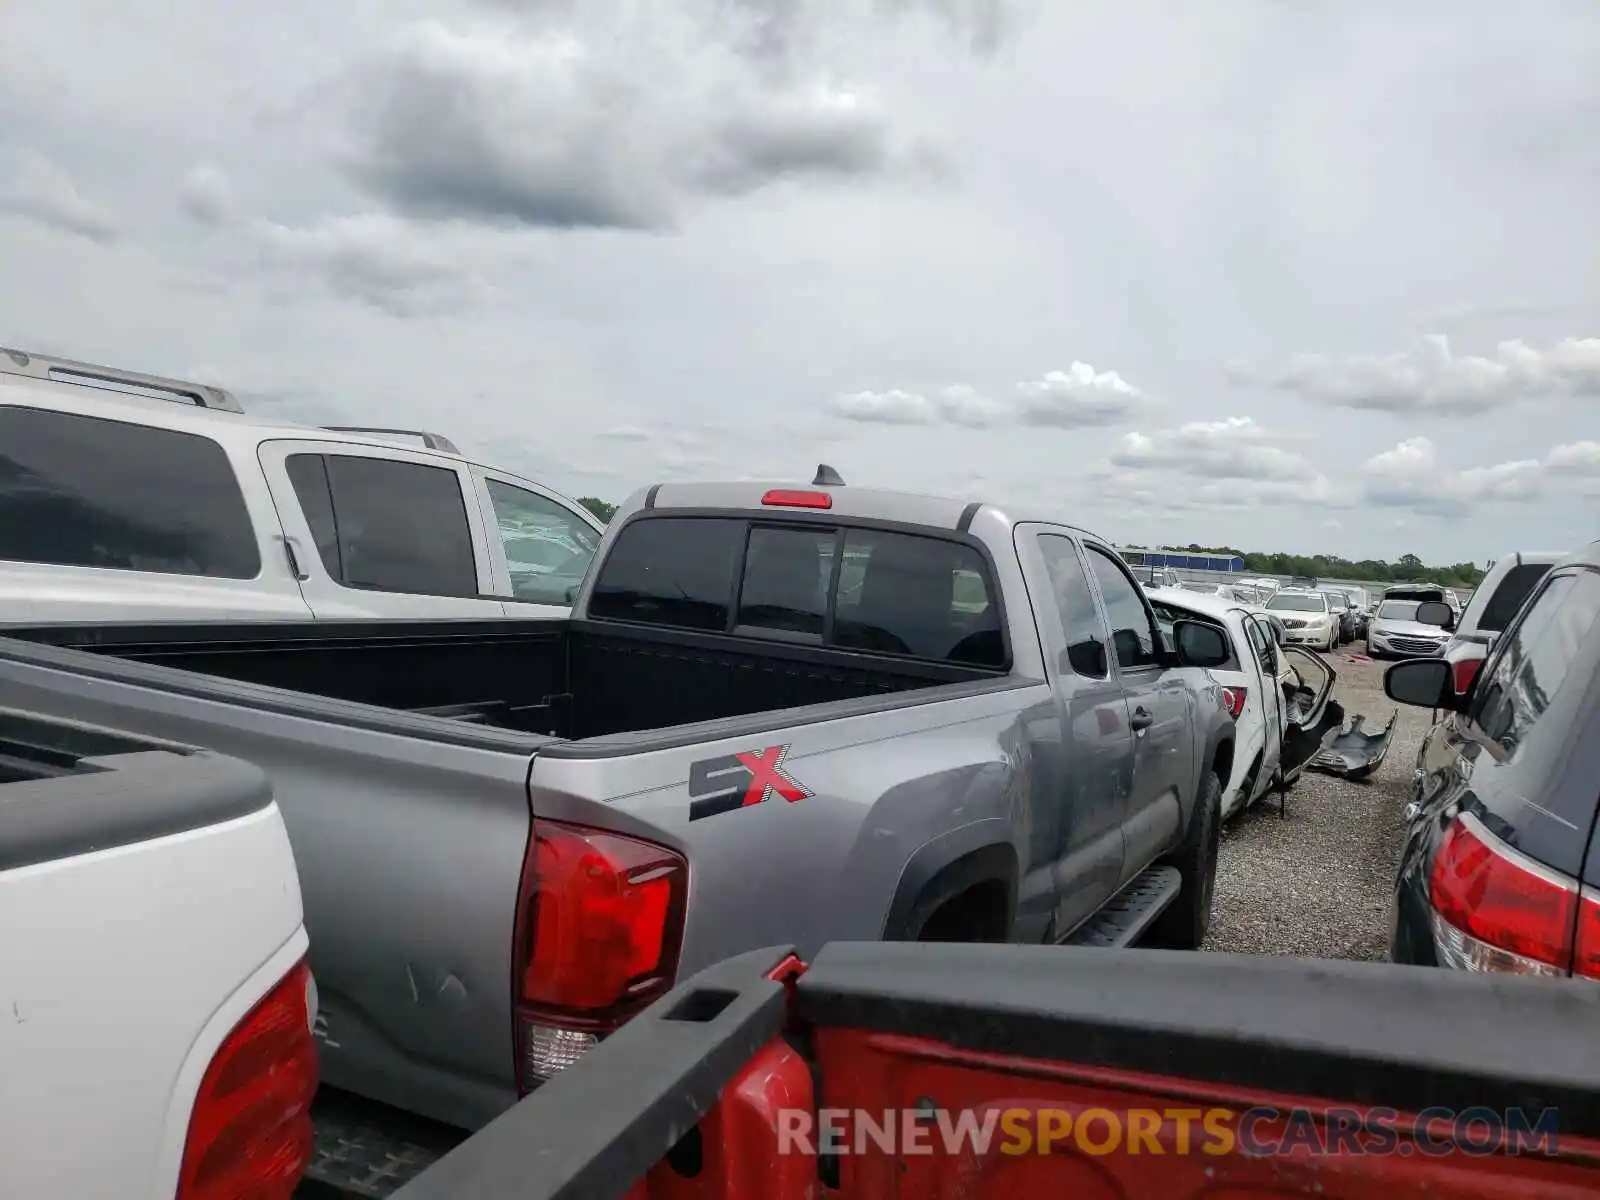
pixel 139 498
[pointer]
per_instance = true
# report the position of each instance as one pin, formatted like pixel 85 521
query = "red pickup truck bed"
pixel 1097 1074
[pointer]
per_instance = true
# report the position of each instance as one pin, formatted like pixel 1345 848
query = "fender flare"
pixel 948 865
pixel 1219 736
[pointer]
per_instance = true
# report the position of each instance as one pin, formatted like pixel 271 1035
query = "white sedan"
pixel 1307 616
pixel 1282 716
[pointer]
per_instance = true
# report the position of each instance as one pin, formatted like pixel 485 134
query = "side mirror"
pixel 1200 645
pixel 1423 683
pixel 1435 612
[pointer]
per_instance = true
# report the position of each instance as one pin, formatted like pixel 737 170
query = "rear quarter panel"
pixel 826 866
pixel 124 971
pixel 409 854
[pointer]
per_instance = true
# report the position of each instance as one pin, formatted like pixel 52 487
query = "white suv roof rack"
pixel 66 370
pixel 432 441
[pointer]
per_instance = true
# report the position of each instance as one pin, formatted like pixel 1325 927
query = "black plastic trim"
pixel 618 1111
pixel 1363 1034
pixel 100 789
pixel 966 856
pixel 676 738
pixel 650 496
pixel 279 701
pixel 968 514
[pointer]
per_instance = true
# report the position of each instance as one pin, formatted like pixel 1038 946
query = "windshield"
pixel 1336 600
pixel 1398 610
pixel 1283 603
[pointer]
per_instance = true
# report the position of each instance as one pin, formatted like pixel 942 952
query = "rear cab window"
pixel 919 596
pixel 81 491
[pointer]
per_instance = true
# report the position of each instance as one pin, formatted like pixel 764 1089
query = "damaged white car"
pixel 1279 695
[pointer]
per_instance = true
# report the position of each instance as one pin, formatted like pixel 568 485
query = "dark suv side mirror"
pixel 1435 612
pixel 1424 683
pixel 1199 644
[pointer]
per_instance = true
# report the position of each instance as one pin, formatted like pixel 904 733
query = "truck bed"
pixel 565 679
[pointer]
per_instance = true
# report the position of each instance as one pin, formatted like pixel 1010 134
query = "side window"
pixel 1131 635
pixel 387 525
pixel 787 574
pixel 1083 632
pixel 309 478
pixel 548 548
pixel 1264 645
pixel 86 492
pixel 676 571
pixel 926 597
pixel 1533 663
pixel 1508 597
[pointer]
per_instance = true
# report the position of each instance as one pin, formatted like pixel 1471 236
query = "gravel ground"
pixel 1317 883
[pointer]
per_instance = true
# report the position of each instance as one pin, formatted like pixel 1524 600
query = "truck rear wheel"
pixel 1184 923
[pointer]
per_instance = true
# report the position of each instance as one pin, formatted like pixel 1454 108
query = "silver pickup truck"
pixel 785 714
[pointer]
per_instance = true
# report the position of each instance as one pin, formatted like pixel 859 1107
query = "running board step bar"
pixel 1130 912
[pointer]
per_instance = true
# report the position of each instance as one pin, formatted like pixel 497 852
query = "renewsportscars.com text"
pixel 1255 1132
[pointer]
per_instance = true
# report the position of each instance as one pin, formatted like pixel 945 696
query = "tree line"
pixel 1407 568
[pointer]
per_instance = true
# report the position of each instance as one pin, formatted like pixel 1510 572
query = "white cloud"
pixel 622 123
pixel 1077 398
pixel 41 191
pixel 207 196
pixel 1231 463
pixel 626 433
pixel 886 408
pixel 1411 475
pixel 1433 379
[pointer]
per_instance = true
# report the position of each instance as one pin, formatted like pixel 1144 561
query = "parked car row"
pixel 246 677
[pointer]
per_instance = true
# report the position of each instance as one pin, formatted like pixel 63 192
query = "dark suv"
pixel 1499 866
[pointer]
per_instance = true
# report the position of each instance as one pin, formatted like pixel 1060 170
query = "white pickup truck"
pixel 156 1008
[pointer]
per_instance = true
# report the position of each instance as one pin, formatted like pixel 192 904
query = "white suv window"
pixel 385 525
pixel 548 548
pixel 79 491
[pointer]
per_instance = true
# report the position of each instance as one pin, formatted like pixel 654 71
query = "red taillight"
pixel 785 498
pixel 1233 699
pixel 1501 911
pixel 599 928
pixel 1463 672
pixel 250 1130
pixel 1586 955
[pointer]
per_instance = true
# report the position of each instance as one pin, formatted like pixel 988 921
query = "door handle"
pixel 1141 720
pixel 293 555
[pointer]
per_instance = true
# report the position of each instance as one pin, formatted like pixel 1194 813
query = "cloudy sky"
pixel 1288 274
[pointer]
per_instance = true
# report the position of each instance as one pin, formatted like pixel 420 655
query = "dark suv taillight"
pixel 1496 910
pixel 598 931
pixel 250 1129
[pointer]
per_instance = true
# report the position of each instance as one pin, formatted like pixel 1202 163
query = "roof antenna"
pixel 827 477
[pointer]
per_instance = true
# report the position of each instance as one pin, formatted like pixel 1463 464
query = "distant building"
pixel 1136 556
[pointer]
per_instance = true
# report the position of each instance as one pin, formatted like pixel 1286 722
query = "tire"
pixel 1184 924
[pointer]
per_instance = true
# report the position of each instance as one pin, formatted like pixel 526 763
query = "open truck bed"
pixel 557 679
